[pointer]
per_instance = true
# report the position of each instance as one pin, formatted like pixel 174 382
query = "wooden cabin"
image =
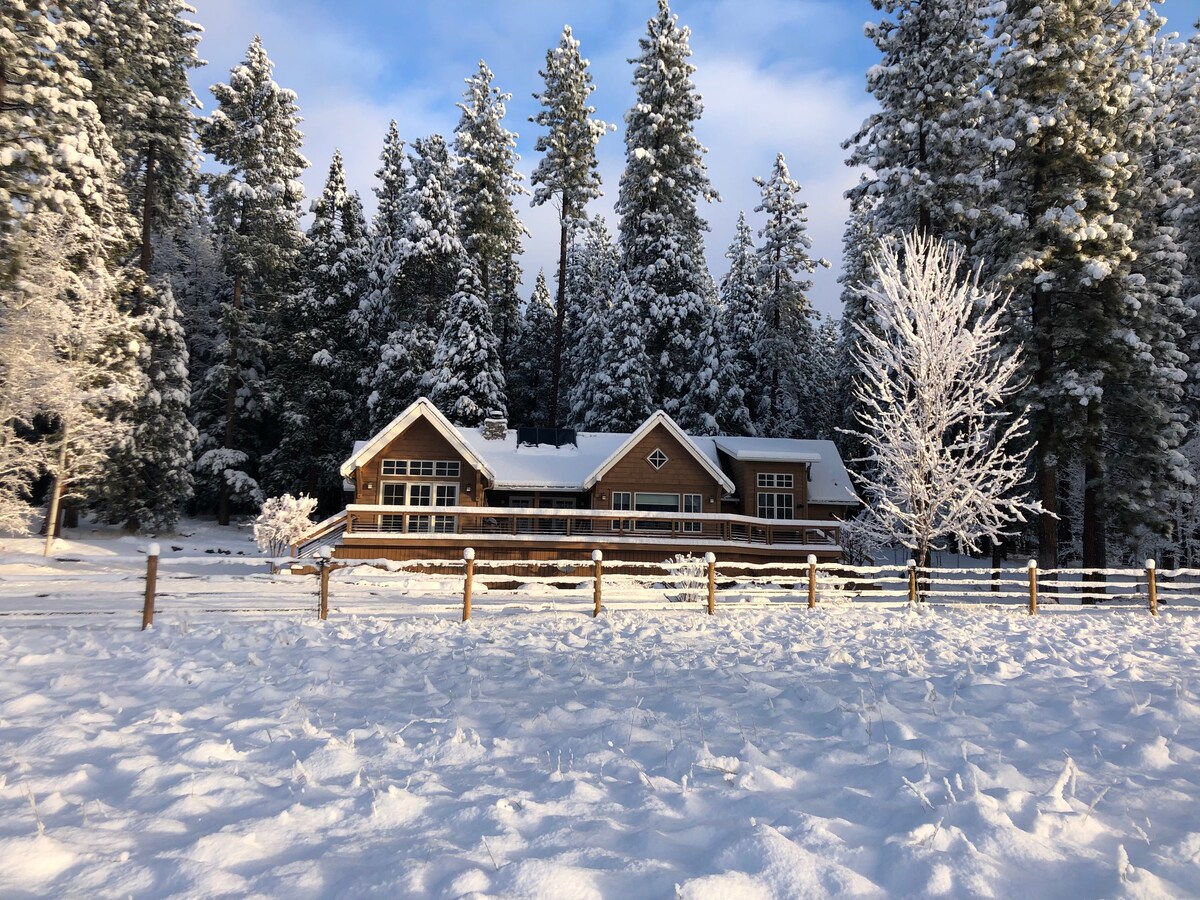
pixel 424 488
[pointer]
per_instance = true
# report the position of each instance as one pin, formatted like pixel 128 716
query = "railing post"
pixel 912 582
pixel 598 559
pixel 469 558
pixel 812 581
pixel 1152 586
pixel 151 583
pixel 1033 586
pixel 711 559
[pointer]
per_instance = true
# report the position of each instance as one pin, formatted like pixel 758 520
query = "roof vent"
pixel 495 426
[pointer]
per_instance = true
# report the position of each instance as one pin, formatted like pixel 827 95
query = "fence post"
pixel 598 559
pixel 1033 586
pixel 912 582
pixel 323 554
pixel 812 581
pixel 1152 586
pixel 711 559
pixel 151 583
pixel 469 558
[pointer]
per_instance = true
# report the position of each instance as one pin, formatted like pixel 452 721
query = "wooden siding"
pixel 682 473
pixel 419 441
pixel 745 476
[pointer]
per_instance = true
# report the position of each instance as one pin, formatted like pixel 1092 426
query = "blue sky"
pixel 776 76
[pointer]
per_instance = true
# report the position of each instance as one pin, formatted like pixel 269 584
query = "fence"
pixel 188 586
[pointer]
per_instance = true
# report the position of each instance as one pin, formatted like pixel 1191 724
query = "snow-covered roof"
pixel 422 408
pixel 542 467
pixel 828 480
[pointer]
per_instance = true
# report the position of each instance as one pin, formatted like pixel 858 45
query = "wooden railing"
pixel 422 522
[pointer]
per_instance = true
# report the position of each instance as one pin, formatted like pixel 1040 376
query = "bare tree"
pixel 944 460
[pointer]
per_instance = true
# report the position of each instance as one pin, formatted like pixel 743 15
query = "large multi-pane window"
pixel 421 468
pixel 775 480
pixel 775 506
pixel 651 502
pixel 397 489
pixel 395 493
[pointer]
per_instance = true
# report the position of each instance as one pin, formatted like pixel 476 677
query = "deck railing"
pixel 502 522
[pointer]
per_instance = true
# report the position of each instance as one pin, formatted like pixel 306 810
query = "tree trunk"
pixel 56 494
pixel 223 493
pixel 560 314
pixel 1045 432
pixel 1095 549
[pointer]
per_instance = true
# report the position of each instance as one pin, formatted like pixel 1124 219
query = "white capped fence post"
pixel 912 582
pixel 151 584
pixel 598 559
pixel 1033 586
pixel 711 559
pixel 1152 586
pixel 469 558
pixel 812 581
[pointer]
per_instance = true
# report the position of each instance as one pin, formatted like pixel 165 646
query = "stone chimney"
pixel 495 426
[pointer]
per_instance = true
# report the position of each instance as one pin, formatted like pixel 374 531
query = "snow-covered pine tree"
pixel 823 403
pixel 465 381
pixel 662 232
pixel 566 173
pixel 316 376
pixel 529 391
pixel 382 309
pixel 1062 229
pixel 785 332
pixel 740 314
pixel 922 150
pixel 593 269
pixel 396 382
pixel 622 401
pixel 254 134
pixel 148 476
pixel 431 253
pixel 698 412
pixel 487 183
pixel 933 378
pixel 859 240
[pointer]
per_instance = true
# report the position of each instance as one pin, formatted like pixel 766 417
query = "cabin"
pixel 424 488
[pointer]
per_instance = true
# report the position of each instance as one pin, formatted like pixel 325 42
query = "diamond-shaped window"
pixel 658 459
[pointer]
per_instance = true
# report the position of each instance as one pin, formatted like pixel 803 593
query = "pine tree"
pixel 698 412
pixel 740 315
pixel 822 405
pixel 593 269
pixel 622 400
pixel 317 372
pixel 431 252
pixel 148 476
pixel 382 309
pixel 396 382
pixel 254 133
pixel 1062 232
pixel 922 149
pixel 465 381
pixel 529 390
pixel 661 237
pixel 785 332
pixel 567 173
pixel 487 183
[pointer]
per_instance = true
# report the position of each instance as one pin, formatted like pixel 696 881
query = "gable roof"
pixel 828 480
pixel 660 418
pixel 421 409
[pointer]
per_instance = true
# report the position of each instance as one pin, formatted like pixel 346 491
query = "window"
pixel 395 467
pixel 418 524
pixel 420 467
pixel 446 469
pixel 775 506
pixel 658 459
pixel 420 495
pixel 622 500
pixel 391 523
pixel 774 480
pixel 446 495
pixel 443 524
pixel 393 493
pixel 646 502
pixel 692 503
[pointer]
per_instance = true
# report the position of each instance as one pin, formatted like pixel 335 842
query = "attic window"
pixel 658 459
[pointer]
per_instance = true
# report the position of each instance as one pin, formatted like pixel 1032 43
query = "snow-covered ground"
pixel 852 750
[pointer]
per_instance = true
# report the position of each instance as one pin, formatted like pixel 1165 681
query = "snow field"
pixel 849 752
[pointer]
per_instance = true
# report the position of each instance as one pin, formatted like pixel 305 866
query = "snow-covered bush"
pixel 282 522
pixel 690 574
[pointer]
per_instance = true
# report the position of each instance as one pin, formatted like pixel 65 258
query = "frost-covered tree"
pixel 1062 233
pixel 317 373
pixel 396 382
pixel 566 174
pixel 661 236
pixel 922 151
pixel 465 380
pixel 529 390
pixel 254 135
pixel 785 332
pixel 622 401
pixel 699 411
pixel 822 404
pixel 933 381
pixel 282 521
pixel 488 181
pixel 148 474
pixel 593 269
